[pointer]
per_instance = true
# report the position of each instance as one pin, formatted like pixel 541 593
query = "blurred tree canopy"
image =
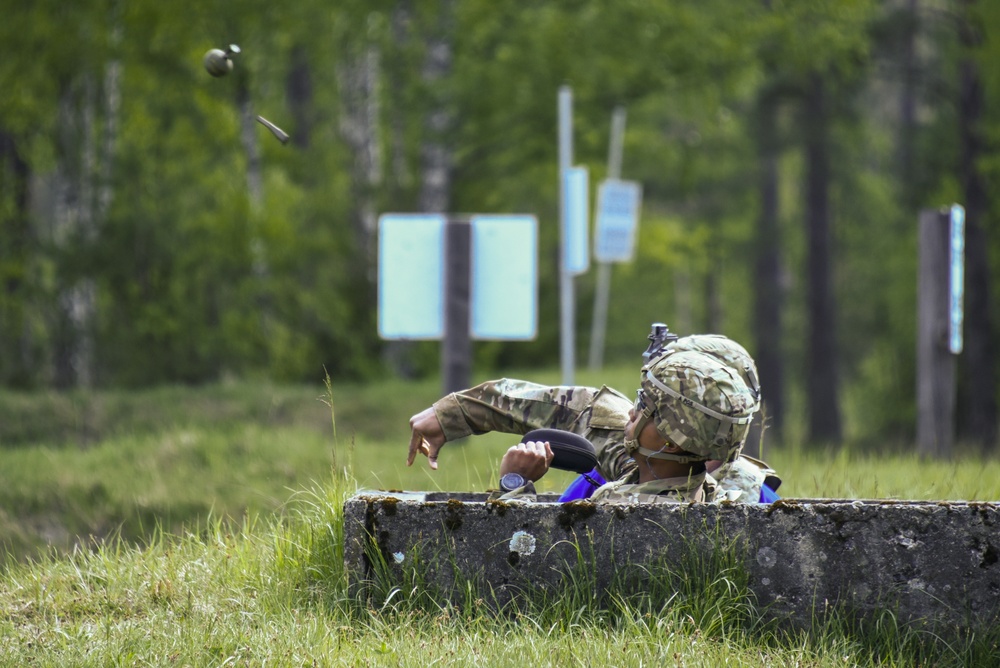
pixel 152 232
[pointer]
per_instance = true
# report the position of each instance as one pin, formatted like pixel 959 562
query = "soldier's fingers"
pixel 432 455
pixel 536 447
pixel 549 455
pixel 416 443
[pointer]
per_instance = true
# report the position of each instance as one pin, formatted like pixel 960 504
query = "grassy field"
pixel 216 518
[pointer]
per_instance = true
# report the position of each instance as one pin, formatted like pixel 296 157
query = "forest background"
pixel 152 233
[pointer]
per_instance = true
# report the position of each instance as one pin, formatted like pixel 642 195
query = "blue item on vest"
pixel 582 487
pixel 768 495
pixel 585 484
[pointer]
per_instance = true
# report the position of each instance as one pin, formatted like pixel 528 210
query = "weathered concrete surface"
pixel 937 562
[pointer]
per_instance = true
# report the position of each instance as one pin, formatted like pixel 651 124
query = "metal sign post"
pixel 566 314
pixel 615 230
pixel 456 346
pixel 599 325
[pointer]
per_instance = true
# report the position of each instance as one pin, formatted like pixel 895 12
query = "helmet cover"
pixel 726 350
pixel 699 403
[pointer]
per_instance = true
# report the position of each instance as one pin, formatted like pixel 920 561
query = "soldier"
pixel 692 413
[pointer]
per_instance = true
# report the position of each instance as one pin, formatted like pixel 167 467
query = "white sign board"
pixel 576 250
pixel 411 276
pixel 956 279
pixel 504 281
pixel 617 220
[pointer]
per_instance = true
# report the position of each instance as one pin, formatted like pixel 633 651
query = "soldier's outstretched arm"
pixel 507 405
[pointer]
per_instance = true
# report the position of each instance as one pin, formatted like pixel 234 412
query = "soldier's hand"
pixel 531 459
pixel 426 437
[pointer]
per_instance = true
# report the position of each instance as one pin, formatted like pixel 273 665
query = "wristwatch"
pixel 511 481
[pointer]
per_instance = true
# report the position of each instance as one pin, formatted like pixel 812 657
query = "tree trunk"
pixel 683 309
pixel 821 367
pixel 436 152
pixel 15 230
pixel 978 379
pixel 713 298
pixel 300 97
pixel 908 103
pixel 359 122
pixel 248 137
pixel 88 116
pixel 74 231
pixel 767 267
pixel 401 180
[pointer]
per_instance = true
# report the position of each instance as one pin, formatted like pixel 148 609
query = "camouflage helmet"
pixel 728 352
pixel 697 402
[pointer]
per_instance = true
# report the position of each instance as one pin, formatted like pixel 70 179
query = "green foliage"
pixel 195 283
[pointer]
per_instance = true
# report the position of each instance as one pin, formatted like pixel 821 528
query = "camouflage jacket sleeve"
pixel 513 407
pixel 517 407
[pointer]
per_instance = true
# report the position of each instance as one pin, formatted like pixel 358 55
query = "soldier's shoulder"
pixel 610 409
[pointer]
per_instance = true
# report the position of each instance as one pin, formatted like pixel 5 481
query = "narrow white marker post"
pixel 956 278
pixel 602 293
pixel 566 319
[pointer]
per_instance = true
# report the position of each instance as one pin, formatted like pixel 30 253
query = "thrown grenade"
pixel 219 63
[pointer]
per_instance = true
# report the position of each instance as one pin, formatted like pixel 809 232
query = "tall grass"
pixel 273 591
pixel 266 584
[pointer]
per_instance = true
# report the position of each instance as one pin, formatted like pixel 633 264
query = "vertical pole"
pixel 456 346
pixel 935 363
pixel 566 338
pixel 601 296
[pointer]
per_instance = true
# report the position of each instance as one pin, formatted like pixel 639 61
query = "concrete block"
pixel 935 562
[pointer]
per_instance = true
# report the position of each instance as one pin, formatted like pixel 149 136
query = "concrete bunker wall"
pixel 938 562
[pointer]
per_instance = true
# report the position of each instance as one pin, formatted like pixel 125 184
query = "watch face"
pixel 511 481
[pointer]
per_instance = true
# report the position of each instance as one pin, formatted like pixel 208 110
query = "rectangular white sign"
pixel 617 220
pixel 504 282
pixel 411 276
pixel 956 282
pixel 576 244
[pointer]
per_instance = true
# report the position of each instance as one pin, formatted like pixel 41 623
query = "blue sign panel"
pixel 957 279
pixel 617 220
pixel 504 282
pixel 411 276
pixel 576 245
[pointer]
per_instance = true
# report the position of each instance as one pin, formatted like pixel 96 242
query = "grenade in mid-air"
pixel 219 63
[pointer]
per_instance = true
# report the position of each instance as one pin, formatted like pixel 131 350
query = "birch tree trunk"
pixel 401 175
pixel 436 152
pixel 359 128
pixel 82 188
pixel 251 147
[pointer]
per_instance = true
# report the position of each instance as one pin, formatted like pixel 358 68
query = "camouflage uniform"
pixel 599 415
